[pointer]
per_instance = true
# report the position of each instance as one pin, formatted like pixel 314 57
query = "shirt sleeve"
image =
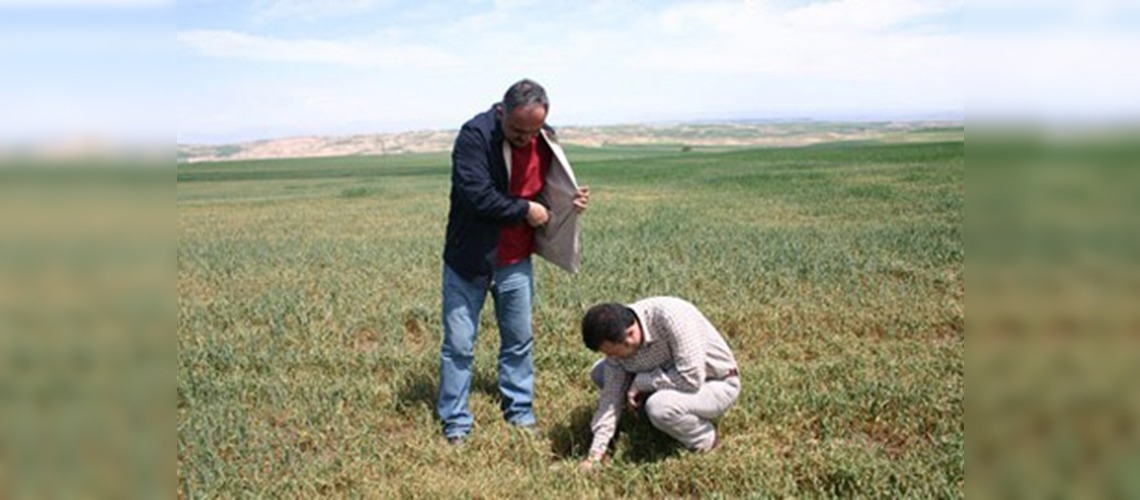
pixel 610 404
pixel 471 178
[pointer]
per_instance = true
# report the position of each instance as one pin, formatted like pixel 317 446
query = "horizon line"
pixel 946 116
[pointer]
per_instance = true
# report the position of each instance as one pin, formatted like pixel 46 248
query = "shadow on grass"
pixel 417 392
pixel 419 388
pixel 570 438
pixel 640 442
pixel 486 382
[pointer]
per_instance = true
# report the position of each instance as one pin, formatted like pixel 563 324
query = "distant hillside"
pixel 718 134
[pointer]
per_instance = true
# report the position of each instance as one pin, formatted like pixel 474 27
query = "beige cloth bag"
pixel 557 241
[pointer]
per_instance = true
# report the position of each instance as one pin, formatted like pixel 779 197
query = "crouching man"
pixel 661 352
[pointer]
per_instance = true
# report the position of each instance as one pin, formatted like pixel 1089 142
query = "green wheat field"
pixel 309 325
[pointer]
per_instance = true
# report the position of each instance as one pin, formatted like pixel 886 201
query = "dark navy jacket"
pixel 481 202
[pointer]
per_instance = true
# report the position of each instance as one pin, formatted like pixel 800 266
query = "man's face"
pixel 626 348
pixel 522 124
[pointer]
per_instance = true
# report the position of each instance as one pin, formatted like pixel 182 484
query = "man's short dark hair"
pixel 524 93
pixel 606 322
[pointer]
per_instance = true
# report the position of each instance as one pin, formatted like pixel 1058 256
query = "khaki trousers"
pixel 686 416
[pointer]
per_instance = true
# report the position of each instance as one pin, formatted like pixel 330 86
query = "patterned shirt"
pixel 680 350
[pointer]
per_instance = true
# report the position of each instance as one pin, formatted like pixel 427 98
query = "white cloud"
pixel 85 40
pixel 844 40
pixel 1053 61
pixel 234 45
pixel 331 104
pixel 515 4
pixel 56 113
pixel 603 62
pixel 269 10
pixel 864 15
pixel 1055 78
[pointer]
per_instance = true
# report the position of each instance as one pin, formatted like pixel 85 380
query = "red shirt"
pixel 528 169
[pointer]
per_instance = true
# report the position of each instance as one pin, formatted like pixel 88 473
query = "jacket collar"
pixel 496 131
pixel 642 320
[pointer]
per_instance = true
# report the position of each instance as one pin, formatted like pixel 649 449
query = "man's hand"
pixel 536 214
pixel 581 199
pixel 633 399
pixel 591 462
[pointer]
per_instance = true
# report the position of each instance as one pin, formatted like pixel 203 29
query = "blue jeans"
pixel 512 288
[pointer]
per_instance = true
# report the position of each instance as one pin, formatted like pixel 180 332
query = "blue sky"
pixel 230 70
pixel 267 68
pixel 74 68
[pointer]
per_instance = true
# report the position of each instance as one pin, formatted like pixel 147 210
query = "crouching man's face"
pixel 626 348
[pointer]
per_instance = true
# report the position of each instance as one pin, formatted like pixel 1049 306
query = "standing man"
pixel 512 194
pixel 663 354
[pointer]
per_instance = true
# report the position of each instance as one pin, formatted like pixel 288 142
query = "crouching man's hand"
pixel 634 399
pixel 593 461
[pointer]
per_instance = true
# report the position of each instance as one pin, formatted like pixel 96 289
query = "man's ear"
pixel 499 110
pixel 632 336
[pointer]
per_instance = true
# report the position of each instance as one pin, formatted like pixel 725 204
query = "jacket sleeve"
pixel 472 182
